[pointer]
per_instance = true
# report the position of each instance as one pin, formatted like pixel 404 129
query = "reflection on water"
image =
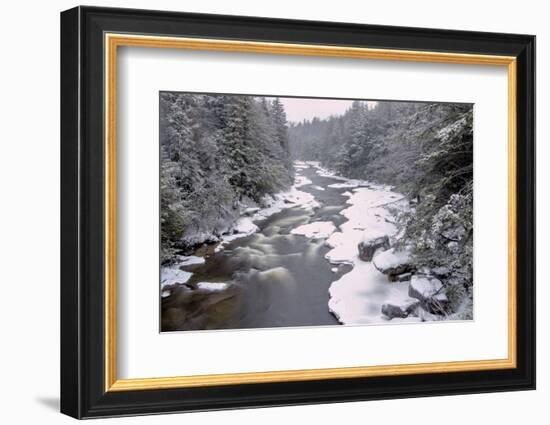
pixel 274 278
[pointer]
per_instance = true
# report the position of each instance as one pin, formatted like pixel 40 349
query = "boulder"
pixel 440 272
pixel 394 262
pixel 425 287
pixel 430 292
pixel 392 311
pixel 368 247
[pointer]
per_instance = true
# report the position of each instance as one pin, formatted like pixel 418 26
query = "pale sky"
pixel 298 109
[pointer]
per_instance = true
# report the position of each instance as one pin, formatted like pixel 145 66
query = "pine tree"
pixel 426 151
pixel 217 151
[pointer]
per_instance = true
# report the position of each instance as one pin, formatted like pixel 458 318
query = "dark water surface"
pixel 276 278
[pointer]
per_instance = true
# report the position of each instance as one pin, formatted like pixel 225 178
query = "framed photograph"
pixel 261 212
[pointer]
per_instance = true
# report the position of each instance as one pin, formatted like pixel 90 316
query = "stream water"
pixel 275 278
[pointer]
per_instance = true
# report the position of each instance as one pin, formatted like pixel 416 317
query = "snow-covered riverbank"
pixel 357 297
pixel 244 226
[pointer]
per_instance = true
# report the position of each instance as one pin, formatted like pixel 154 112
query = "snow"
pixel 366 220
pixel 245 225
pixel 391 259
pixel 251 210
pixel 318 188
pixel 212 286
pixel 301 165
pixel 323 172
pixel 348 184
pixel 172 276
pixel 274 204
pixel 451 130
pixel 301 181
pixel 334 270
pixel 299 199
pixel 315 230
pixel 343 252
pixel 357 297
pixel 189 260
pixel 289 199
pixel 427 287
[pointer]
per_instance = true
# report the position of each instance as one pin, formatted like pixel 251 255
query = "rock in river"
pixel 393 262
pixel 368 247
pixel 430 292
pixel 392 311
pixel 425 287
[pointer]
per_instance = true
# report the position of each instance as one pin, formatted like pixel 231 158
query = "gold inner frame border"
pixel 111 43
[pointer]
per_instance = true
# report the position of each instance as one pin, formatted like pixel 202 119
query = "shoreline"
pixel 244 226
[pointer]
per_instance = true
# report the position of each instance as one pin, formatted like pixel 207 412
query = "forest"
pixel 218 153
pixel 423 150
pixel 363 216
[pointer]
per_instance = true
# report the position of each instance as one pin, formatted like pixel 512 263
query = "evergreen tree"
pixel 217 151
pixel 425 150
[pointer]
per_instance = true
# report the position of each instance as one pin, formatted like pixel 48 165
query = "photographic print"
pixel 205 197
pixel 293 211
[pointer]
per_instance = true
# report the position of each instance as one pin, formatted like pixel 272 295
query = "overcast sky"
pixel 299 109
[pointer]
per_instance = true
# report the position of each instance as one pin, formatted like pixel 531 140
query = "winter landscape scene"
pixel 285 212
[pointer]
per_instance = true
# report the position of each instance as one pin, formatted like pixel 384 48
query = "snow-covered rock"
pixel 424 288
pixel 367 247
pixel 392 311
pixel 315 230
pixel 172 276
pixel 408 308
pixel 430 292
pixel 244 225
pixel 441 271
pixel 251 211
pixel 393 262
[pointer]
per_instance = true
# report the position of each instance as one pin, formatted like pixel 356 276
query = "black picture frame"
pixel 83 392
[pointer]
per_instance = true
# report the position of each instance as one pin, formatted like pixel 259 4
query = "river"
pixel 271 278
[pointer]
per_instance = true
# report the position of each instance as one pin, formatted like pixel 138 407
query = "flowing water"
pixel 276 278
